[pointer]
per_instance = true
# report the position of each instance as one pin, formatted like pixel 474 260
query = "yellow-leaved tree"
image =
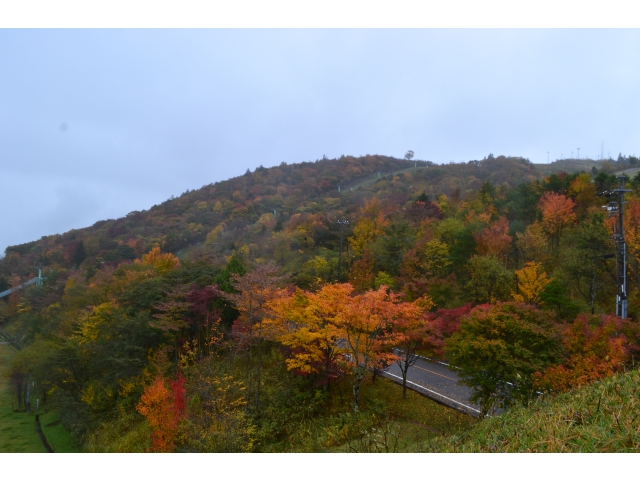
pixel 161 262
pixel 531 281
pixel 307 323
pixel 436 254
pixel 214 234
pixel 583 191
pixel 368 228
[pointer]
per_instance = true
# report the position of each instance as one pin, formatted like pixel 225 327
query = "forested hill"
pixel 227 320
pixel 242 208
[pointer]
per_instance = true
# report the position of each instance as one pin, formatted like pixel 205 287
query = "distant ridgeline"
pixel 244 211
pixel 236 205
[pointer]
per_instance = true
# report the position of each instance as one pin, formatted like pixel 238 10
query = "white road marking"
pixel 436 393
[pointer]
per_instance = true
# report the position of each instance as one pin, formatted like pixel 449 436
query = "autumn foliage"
pixel 447 320
pixel 163 408
pixel 595 348
pixel 494 240
pixel 269 339
pixel 531 281
pixel 308 324
pixel 557 214
pixel 162 262
pixel 505 342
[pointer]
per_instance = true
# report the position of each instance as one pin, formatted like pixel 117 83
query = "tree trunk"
pixel 592 294
pixel 357 381
pixel 258 379
pixel 250 383
pixel 404 382
pixel 19 390
pixel 327 361
pixel 356 395
pixel 27 401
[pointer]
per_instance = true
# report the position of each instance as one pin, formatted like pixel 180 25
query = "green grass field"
pixel 18 429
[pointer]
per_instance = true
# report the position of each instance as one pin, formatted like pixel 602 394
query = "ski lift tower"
pixel 40 279
pixel 616 207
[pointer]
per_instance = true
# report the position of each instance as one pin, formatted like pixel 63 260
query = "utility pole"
pixel 547 158
pixel 342 222
pixel 578 152
pixel 617 207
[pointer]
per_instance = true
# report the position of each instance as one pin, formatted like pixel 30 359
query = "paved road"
pixel 437 381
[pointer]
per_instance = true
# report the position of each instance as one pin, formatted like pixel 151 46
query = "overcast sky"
pixel 97 123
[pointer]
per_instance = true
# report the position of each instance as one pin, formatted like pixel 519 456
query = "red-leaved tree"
pixel 595 348
pixel 164 408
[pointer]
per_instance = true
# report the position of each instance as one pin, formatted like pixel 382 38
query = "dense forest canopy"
pixel 219 320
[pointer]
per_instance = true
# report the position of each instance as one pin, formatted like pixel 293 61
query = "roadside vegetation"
pixel 600 417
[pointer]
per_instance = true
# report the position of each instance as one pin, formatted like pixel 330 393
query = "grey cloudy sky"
pixel 97 123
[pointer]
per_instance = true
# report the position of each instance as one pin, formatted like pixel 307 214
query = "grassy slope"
pixel 569 166
pixel 574 165
pixel 414 422
pixel 602 417
pixel 417 420
pixel 18 429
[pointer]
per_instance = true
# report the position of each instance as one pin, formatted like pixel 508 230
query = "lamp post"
pixel 342 222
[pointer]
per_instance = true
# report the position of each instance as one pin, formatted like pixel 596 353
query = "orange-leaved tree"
pixel 557 214
pixel 412 331
pixel 595 348
pixel 361 274
pixel 494 240
pixel 364 322
pixel 163 408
